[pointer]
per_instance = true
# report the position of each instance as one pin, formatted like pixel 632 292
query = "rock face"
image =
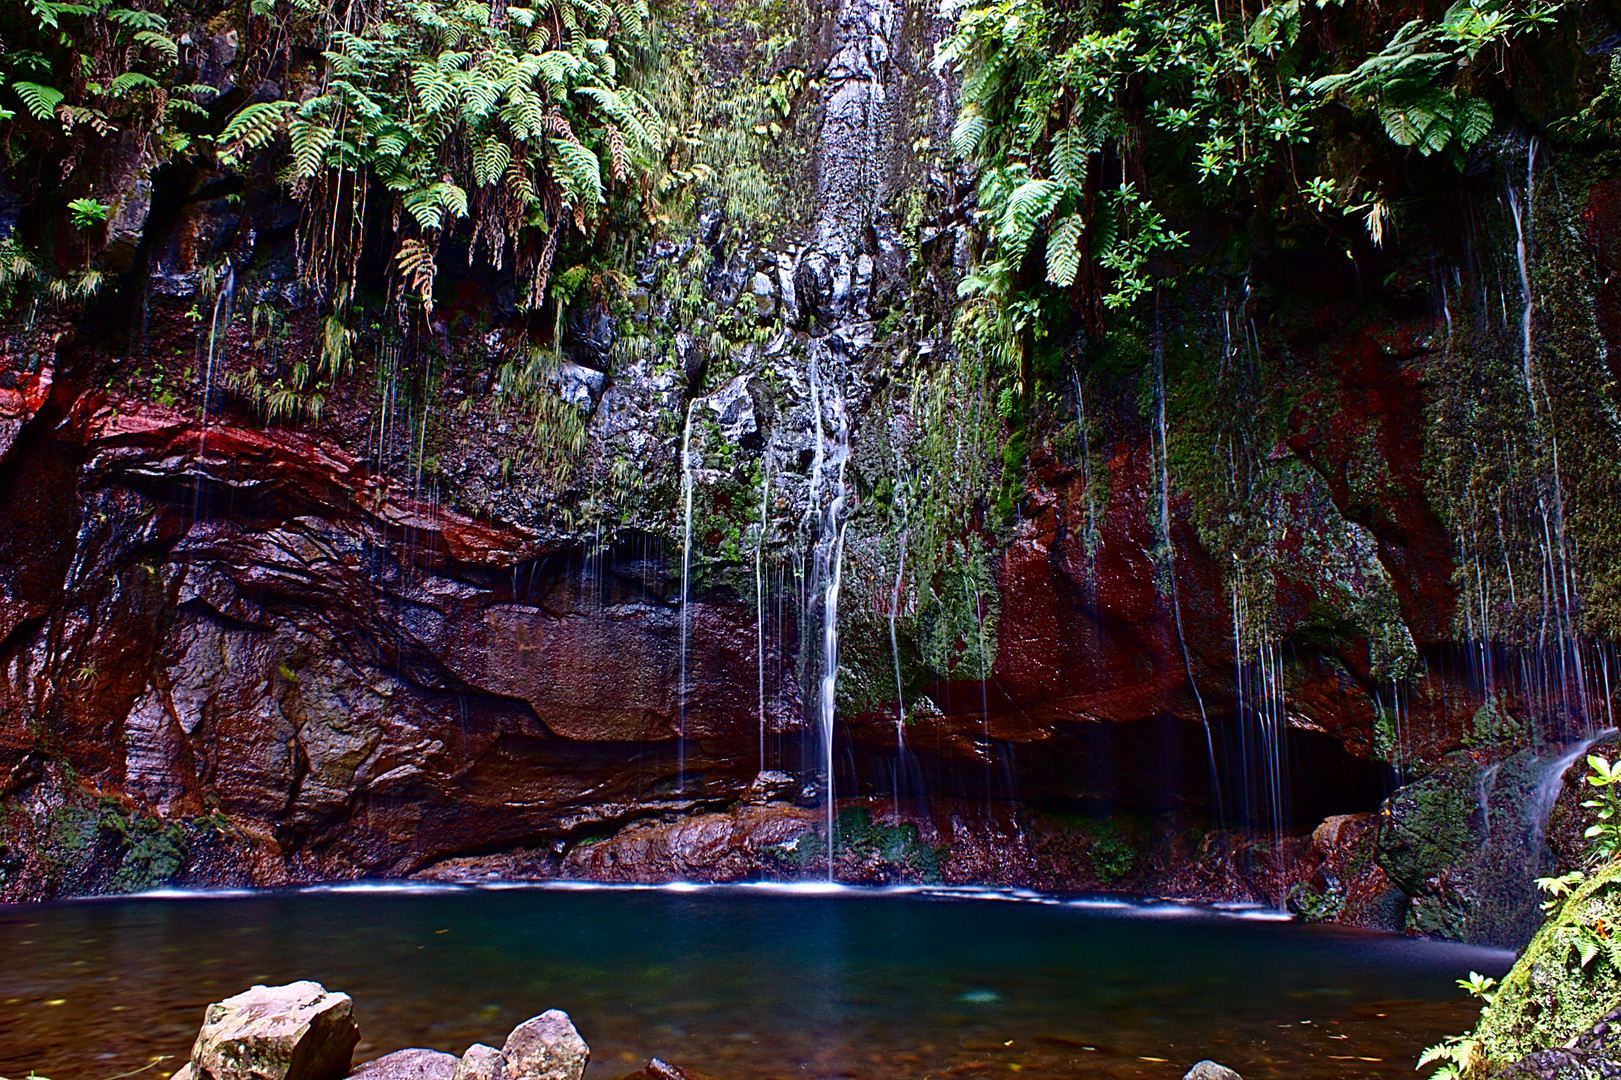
pixel 1595 1054
pixel 293 1032
pixel 545 1047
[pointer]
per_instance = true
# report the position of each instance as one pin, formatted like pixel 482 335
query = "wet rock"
pixel 413 1064
pixel 1209 1070
pixel 545 1047
pixel 728 846
pixel 481 1062
pixel 293 1032
pixel 733 410
pixel 579 385
pixel 1430 829
pixel 765 295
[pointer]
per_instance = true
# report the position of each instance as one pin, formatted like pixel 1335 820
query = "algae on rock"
pixel 1567 979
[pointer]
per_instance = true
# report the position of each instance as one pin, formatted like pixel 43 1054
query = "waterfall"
pixel 686 582
pixel 759 594
pixel 223 292
pixel 1520 249
pixel 895 648
pixel 827 564
pixel 1162 461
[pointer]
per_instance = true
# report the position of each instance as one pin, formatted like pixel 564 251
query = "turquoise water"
pixel 743 983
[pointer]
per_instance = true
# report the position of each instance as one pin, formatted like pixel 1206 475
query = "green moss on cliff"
pixel 1552 993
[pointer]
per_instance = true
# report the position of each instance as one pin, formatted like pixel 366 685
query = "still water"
pixel 743 983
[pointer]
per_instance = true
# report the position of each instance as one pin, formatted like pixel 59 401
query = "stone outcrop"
pixel 545 1047
pixel 293 1032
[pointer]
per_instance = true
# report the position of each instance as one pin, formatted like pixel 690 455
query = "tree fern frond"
pixel 969 135
pixel 417 268
pixel 252 127
pixel 581 174
pixel 40 100
pixel 490 159
pixel 162 42
pixel 1064 250
pixel 309 145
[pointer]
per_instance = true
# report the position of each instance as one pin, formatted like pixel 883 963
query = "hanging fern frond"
pixel 252 128
pixel 309 143
pixel 1064 250
pixel 418 269
pixel 41 101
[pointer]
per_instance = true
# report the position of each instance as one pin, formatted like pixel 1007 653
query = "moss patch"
pixel 1550 995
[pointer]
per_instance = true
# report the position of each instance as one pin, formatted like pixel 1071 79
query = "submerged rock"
pixel 663 1070
pixel 293 1032
pixel 416 1063
pixel 545 1047
pixel 1209 1070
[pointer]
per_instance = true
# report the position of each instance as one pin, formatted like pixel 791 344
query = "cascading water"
pixel 1162 464
pixel 224 291
pixel 687 477
pixel 827 564
pixel 759 595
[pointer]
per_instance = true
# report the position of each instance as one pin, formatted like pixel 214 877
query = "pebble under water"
pixel 743 982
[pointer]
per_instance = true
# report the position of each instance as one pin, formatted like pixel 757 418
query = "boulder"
pixel 1209 1070
pixel 416 1063
pixel 545 1047
pixel 293 1032
pixel 481 1063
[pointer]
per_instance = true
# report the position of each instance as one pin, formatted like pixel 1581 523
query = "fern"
pixel 40 101
pixel 1029 204
pixel 252 128
pixel 129 81
pixel 969 135
pixel 162 42
pixel 581 173
pixel 1064 251
pixel 417 268
pixel 490 160
pixel 309 147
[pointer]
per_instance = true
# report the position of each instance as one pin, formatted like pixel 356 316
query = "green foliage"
pixel 87 213
pixel 1052 99
pixel 1065 106
pixel 528 386
pixel 859 837
pixel 95 64
pixel 1111 852
pixel 512 119
pixel 1419 83
pixel 1605 833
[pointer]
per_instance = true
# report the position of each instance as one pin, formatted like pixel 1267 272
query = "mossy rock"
pixel 1431 828
pixel 1550 996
